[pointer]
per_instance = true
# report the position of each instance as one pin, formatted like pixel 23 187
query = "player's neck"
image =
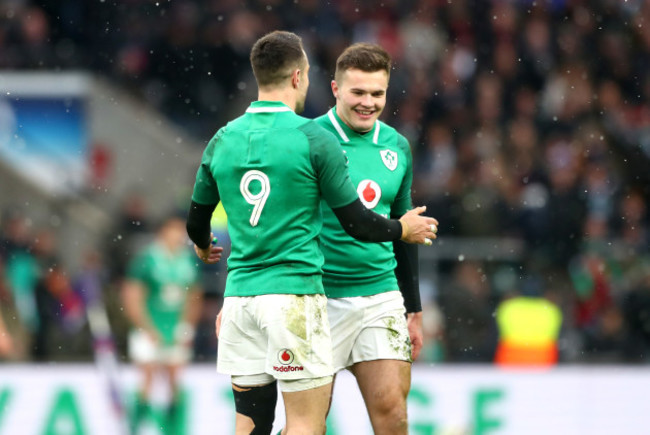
pixel 282 95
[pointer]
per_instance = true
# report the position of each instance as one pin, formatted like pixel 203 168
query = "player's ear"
pixel 295 78
pixel 335 89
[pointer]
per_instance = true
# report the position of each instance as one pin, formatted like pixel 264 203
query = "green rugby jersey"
pixel 381 169
pixel 167 277
pixel 270 168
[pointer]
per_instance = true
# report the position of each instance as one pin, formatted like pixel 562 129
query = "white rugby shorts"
pixel 283 335
pixel 368 328
pixel 143 350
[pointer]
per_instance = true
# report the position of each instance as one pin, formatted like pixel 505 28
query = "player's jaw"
pixel 364 117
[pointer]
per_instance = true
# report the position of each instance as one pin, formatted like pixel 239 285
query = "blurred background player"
pixel 162 300
pixel 270 168
pixel 370 334
pixel 6 343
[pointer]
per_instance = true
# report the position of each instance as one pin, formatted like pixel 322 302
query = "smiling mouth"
pixel 365 112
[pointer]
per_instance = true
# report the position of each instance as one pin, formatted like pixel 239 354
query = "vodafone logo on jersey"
pixel 369 193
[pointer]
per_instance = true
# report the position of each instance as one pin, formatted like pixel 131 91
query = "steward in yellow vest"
pixel 528 331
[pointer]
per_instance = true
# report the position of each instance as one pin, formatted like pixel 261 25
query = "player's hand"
pixel 217 323
pixel 209 255
pixel 414 324
pixel 153 334
pixel 418 229
pixel 184 334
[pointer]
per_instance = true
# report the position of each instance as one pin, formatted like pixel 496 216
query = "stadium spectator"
pixel 529 325
pixel 468 306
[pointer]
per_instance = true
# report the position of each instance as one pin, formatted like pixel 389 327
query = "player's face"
pixel 360 97
pixel 174 234
pixel 303 87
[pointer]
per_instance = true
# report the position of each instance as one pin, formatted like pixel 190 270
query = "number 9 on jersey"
pixel 258 199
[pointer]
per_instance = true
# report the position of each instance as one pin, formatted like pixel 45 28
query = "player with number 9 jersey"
pixel 272 167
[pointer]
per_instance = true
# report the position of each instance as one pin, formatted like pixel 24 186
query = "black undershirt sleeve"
pixel 198 223
pixel 408 275
pixel 366 225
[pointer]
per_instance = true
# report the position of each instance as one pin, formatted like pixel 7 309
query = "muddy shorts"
pixel 285 336
pixel 368 328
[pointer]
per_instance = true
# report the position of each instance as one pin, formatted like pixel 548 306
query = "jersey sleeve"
pixel 205 187
pixel 403 201
pixel 331 168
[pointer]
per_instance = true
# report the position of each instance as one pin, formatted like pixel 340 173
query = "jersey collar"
pixel 344 131
pixel 268 107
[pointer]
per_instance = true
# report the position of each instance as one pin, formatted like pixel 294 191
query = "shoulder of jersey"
pixel 387 132
pixel 325 122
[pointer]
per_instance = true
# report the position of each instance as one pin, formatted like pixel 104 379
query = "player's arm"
pixel 336 188
pixel 198 229
pixel 133 299
pixel 407 269
pixel 198 223
pixel 185 330
pixel 407 273
pixel 205 198
pixel 366 225
pixel 406 256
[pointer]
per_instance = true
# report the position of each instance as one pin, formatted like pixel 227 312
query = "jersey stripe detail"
pixel 267 109
pixel 375 137
pixel 337 126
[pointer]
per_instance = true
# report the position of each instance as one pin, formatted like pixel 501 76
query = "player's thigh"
pixel 299 343
pixel 384 384
pixel 384 334
pixel 242 343
pixel 346 322
pixel 306 410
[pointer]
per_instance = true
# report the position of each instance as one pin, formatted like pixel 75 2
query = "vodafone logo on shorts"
pixel 285 357
pixel 369 193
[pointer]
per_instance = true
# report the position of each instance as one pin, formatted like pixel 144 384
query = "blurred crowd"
pixel 528 120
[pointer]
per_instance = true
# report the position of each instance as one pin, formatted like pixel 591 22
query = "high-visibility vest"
pixel 528 332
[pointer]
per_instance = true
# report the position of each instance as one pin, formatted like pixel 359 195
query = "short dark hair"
pixel 365 57
pixel 275 55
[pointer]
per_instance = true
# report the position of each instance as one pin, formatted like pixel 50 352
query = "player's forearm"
pixel 193 306
pixel 133 301
pixel 185 330
pixel 198 223
pixel 366 225
pixel 407 273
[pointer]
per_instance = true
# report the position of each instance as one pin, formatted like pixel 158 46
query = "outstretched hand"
pixel 418 229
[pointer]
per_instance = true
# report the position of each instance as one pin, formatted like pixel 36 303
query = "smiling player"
pixel 369 329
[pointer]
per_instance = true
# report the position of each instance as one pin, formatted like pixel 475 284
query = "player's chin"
pixel 364 124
